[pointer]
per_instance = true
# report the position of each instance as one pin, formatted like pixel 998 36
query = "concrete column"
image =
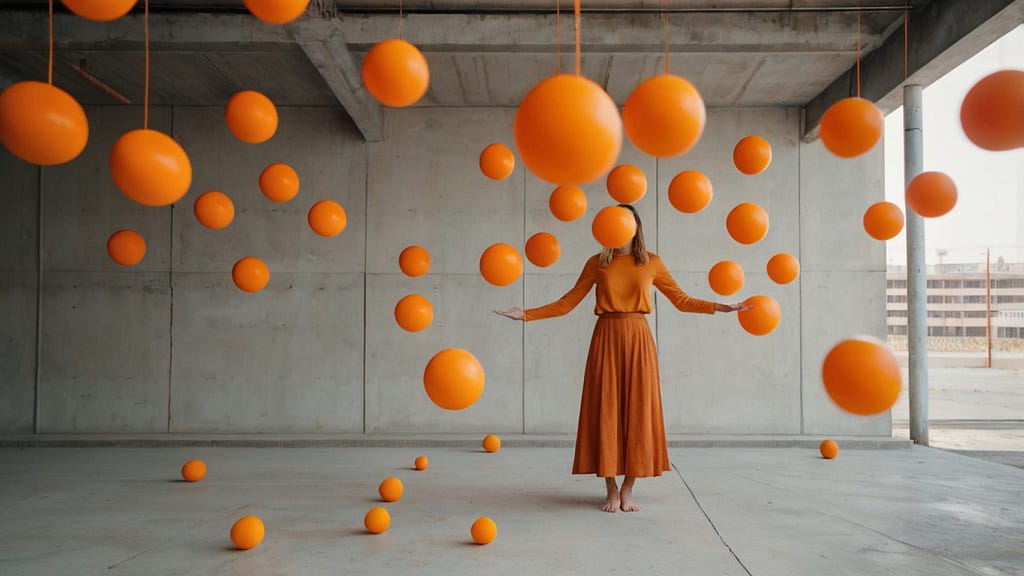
pixel 917 287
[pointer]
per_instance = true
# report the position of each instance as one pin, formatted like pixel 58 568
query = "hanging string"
pixel 49 74
pixel 666 36
pixel 858 48
pixel 577 10
pixel 145 104
pixel 558 37
pixel 400 19
pixel 906 37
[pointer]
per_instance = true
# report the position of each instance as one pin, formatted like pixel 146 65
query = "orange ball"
pixel 100 10
pixel 327 218
pixel 726 277
pixel 214 210
pixel 690 191
pixel 247 532
pixel 626 184
pixel 501 264
pixel 542 249
pixel 414 261
pixel 414 313
pixel 664 116
pixel 883 220
pixel 42 124
pixel 762 317
pixel 829 449
pixel 497 162
pixel 391 489
pixel 279 182
pixel 276 11
pixel 862 376
pixel 126 247
pixel 568 130
pixel 377 520
pixel 567 203
pixel 613 227
pixel 747 223
pixel 193 470
pixel 752 155
pixel 453 379
pixel 851 127
pixel 492 443
pixel 421 463
pixel 992 114
pixel 396 73
pixel 483 530
pixel 250 274
pixel 783 268
pixel 251 117
pixel 931 194
pixel 150 167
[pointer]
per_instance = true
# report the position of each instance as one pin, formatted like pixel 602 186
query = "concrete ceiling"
pixel 491 52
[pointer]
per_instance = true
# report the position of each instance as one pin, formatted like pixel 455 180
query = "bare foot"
pixel 611 503
pixel 626 503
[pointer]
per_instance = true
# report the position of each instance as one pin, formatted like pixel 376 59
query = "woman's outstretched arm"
pixel 564 304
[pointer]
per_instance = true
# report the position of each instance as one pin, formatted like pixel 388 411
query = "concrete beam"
pixel 942 36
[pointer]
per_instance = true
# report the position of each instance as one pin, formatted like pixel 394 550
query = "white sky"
pixel 990 185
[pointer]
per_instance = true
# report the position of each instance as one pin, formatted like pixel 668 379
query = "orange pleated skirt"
pixel 621 428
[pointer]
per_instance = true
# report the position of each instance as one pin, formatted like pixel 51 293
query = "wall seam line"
pixel 170 327
pixel 39 303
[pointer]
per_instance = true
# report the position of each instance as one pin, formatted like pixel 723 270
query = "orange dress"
pixel 621 427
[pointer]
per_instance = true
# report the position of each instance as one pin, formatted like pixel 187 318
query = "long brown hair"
pixel 640 254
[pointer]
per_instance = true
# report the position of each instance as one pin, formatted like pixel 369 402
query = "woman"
pixel 621 430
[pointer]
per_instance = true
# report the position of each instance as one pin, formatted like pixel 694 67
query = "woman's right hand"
pixel 514 313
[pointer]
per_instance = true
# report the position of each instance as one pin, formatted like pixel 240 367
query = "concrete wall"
pixel 171 345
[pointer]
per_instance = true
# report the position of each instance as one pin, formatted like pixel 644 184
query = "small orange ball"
pixel 567 203
pixel 421 463
pixel 747 223
pixel 783 268
pixel 279 182
pixel 414 261
pixel 862 376
pixel 276 11
pixel 327 218
pixel 42 124
pixel 543 249
pixel 193 470
pixel 851 127
pixel 613 227
pixel 690 191
pixel 883 220
pixel 377 520
pixel 251 117
pixel 483 530
pixel 762 317
pixel 626 183
pixel 497 161
pixel 829 449
pixel 395 73
pixel 492 443
pixel 100 10
pixel 414 313
pixel 250 274
pixel 752 155
pixel 931 194
pixel 664 116
pixel 501 265
pixel 453 379
pixel 992 114
pixel 214 209
pixel 126 247
pixel 391 489
pixel 726 277
pixel 150 167
pixel 247 532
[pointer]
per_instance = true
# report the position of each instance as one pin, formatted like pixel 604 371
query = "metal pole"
pixel 917 270
pixel 988 308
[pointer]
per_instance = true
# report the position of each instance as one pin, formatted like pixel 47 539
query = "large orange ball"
pixel 567 203
pixel 414 261
pixel 250 274
pixel 783 268
pixel 568 130
pixel 690 191
pixel 391 489
pixel 279 182
pixel 726 277
pixel 931 194
pixel 862 376
pixel 276 11
pixel 829 449
pixel 150 167
pixel 542 249
pixel 883 220
pixel 613 227
pixel 193 470
pixel 214 209
pixel 247 532
pixel 327 218
pixel 664 116
pixel 377 520
pixel 251 117
pixel 414 313
pixel 41 123
pixel 497 161
pixel 626 184
pixel 396 73
pixel 747 223
pixel 851 127
pixel 752 155
pixel 100 10
pixel 992 114
pixel 483 530
pixel 453 379
pixel 500 264
pixel 762 317
pixel 126 247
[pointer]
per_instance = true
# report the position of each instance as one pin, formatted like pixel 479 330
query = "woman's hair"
pixel 640 254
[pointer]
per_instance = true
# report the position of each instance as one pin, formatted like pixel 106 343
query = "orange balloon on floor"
pixel 247 532
pixel 150 167
pixel 752 155
pixel 690 191
pixel 747 223
pixel 862 376
pixel 42 124
pixel 491 443
pixel 126 247
pixel 279 182
pixel 453 379
pixel 483 530
pixel 414 313
pixel 276 11
pixel 497 161
pixel 613 227
pixel 567 203
pixel 992 113
pixel 327 218
pixel 931 194
pixel 391 489
pixel 214 210
pixel 100 10
pixel 414 261
pixel 783 268
pixel 626 183
pixel 568 130
pixel 829 449
pixel 377 520
pixel 251 117
pixel 726 277
pixel 664 116
pixel 542 249
pixel 762 317
pixel 883 220
pixel 500 264
pixel 396 73
pixel 193 470
pixel 851 127
pixel 250 274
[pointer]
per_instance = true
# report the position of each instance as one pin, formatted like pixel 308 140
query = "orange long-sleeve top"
pixel 622 286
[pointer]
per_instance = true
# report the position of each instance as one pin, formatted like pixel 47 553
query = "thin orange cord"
pixel 145 105
pixel 400 10
pixel 49 74
pixel 858 48
pixel 558 37
pixel 577 10
pixel 666 36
